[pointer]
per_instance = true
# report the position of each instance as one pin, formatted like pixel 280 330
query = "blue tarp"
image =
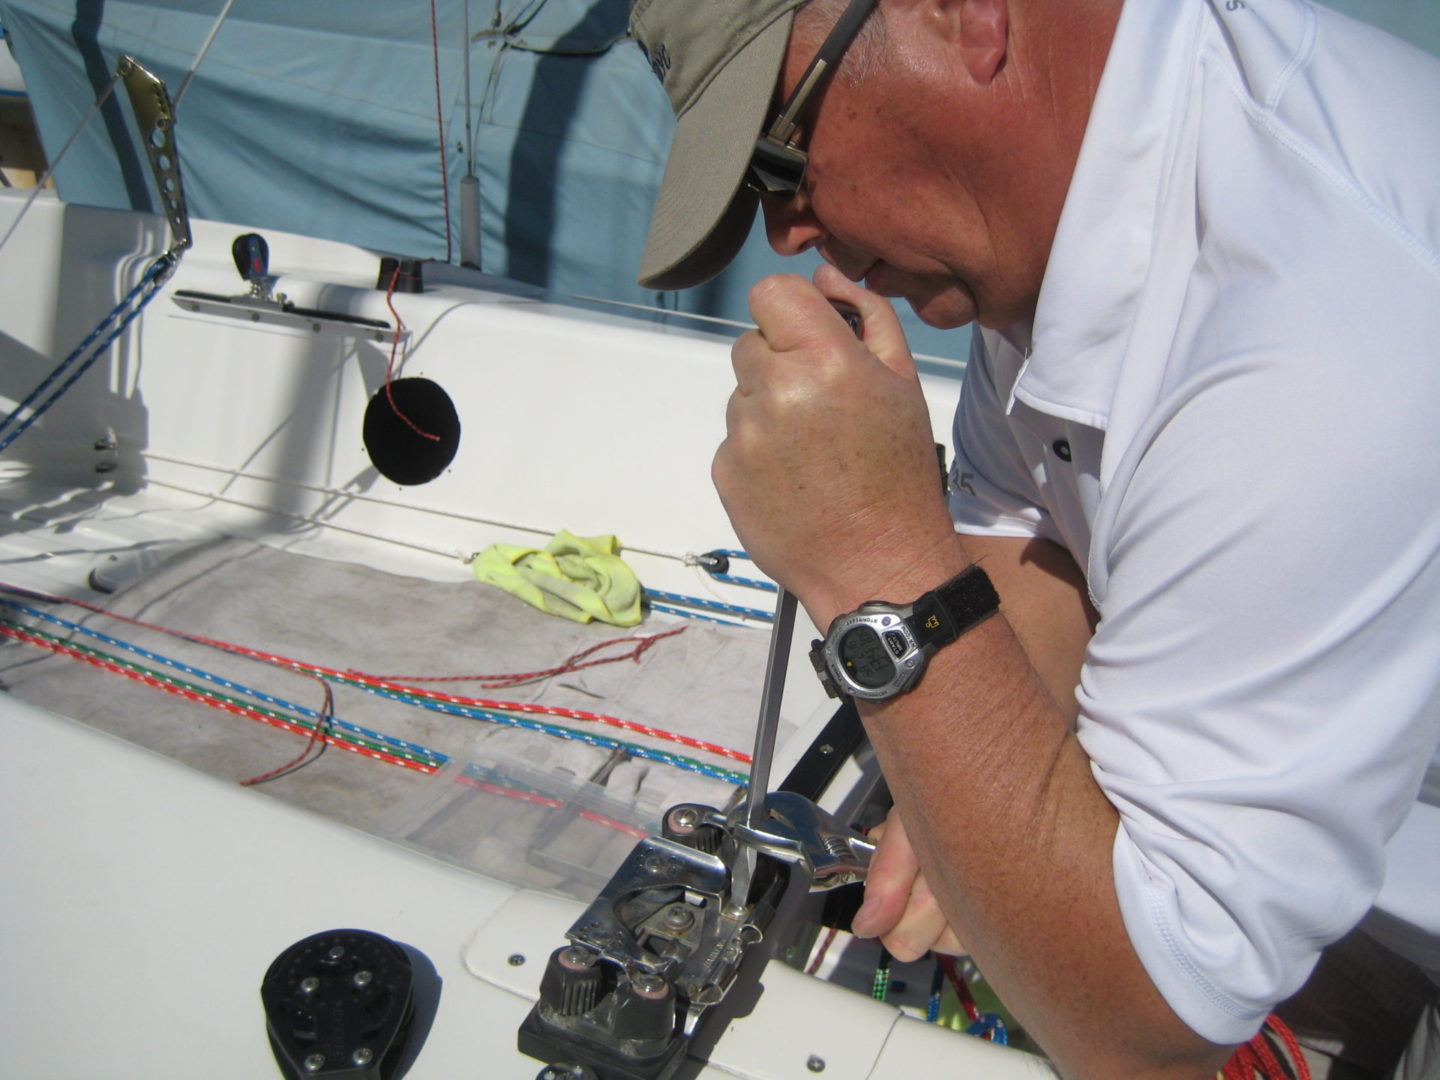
pixel 321 118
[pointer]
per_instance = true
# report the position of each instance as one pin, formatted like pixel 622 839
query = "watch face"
pixel 866 657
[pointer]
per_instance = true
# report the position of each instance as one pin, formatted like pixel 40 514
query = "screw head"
pixel 678 917
pixel 683 819
pixel 315 1062
pixel 515 959
pixel 577 959
pixel 363 1055
pixel 815 1063
pixel 648 985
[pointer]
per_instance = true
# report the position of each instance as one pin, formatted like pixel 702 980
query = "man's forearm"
pixel 1015 837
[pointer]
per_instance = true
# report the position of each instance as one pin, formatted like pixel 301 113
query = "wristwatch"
pixel 880 650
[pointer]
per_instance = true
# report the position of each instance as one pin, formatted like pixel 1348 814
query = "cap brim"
pixel 704 212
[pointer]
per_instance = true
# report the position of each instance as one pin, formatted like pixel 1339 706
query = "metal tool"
pixel 665 939
pixel 743 872
pixel 797 831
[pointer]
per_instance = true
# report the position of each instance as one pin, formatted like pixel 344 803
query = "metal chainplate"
pixel 156 117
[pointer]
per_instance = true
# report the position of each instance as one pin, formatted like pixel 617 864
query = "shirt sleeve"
pixel 1260 699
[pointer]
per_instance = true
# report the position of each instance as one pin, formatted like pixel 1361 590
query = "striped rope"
pixel 149 285
pixel 421 700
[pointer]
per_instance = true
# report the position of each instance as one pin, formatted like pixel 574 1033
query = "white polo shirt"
pixel 1228 410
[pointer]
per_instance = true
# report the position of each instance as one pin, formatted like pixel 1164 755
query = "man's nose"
pixel 790 225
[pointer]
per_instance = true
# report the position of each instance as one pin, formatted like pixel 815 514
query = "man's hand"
pixel 899 907
pixel 828 468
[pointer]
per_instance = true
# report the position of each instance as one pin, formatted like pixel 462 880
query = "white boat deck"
pixel 210 477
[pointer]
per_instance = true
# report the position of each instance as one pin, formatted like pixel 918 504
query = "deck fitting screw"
pixel 516 959
pixel 678 917
pixel 315 1062
pixel 362 1056
pixel 815 1063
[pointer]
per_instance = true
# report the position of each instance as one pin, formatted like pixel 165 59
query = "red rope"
pixel 1257 1057
pixel 382 683
pixel 206 699
pixel 962 988
pixel 390 367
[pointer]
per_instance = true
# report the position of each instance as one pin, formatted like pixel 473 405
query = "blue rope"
pixel 466 711
pixel 149 284
pixel 667 610
pixel 653 595
pixel 436 757
pixel 749 583
pixel 991 1027
pixel 714 562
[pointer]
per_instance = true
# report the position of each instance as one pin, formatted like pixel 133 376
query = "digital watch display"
pixel 880 649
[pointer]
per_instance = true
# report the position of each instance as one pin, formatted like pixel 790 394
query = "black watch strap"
pixel 942 615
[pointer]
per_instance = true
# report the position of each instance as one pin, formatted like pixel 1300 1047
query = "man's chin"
pixel 944 312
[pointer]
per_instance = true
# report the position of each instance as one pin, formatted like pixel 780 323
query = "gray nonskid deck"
pixel 702 682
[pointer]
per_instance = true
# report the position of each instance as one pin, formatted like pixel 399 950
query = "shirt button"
pixel 1061 448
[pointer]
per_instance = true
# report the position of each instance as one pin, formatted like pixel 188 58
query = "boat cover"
pixel 321 119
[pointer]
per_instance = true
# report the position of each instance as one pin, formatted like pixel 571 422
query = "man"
pixel 1195 457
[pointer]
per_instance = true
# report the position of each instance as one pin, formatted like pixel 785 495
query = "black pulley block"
pixel 339 1004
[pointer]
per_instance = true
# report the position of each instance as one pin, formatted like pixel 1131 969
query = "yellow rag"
pixel 575 577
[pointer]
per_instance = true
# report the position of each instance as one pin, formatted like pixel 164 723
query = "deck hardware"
pixel 340 1003
pixel 261 304
pixel 156 117
pixel 411 430
pixel 664 941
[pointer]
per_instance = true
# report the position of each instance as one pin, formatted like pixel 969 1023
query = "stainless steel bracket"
pixel 155 115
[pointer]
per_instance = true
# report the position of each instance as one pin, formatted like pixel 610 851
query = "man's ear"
pixel 984 37
pixel 979 29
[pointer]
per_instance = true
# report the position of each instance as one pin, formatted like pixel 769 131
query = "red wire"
pixel 327 711
pixel 496 682
pixel 394 346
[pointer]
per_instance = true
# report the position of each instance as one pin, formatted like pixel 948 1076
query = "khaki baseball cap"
pixel 719 61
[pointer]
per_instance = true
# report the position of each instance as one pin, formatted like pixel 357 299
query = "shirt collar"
pixel 1103 249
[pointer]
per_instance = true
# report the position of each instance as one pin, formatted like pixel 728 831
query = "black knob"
pixel 252 257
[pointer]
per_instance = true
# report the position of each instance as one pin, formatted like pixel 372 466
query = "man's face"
pixel 914 195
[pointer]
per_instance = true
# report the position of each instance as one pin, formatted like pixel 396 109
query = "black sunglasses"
pixel 778 165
